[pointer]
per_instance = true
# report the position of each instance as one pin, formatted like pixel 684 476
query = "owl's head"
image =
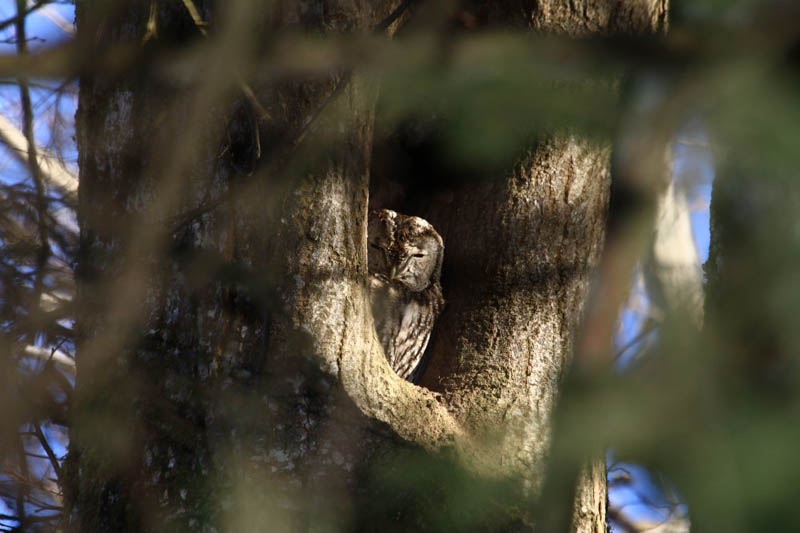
pixel 404 250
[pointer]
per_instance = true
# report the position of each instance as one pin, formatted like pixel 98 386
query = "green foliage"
pixel 434 492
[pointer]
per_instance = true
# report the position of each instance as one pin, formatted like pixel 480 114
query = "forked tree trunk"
pixel 229 375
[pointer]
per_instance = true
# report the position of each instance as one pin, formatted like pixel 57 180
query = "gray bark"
pixel 518 270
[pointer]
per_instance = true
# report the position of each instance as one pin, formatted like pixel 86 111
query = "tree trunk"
pixel 518 267
pixel 229 375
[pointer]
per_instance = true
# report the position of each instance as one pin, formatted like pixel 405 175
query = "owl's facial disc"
pixel 377 257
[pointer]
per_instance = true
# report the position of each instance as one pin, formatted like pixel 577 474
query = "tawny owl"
pixel 405 263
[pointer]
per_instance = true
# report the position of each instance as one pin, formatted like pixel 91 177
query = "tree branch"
pixel 50 167
pixel 21 14
pixel 325 226
pixel 43 253
pixel 414 413
pixel 48 450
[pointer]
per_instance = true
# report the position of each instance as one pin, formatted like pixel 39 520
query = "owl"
pixel 405 263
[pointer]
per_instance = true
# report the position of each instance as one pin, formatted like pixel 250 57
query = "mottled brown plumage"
pixel 405 264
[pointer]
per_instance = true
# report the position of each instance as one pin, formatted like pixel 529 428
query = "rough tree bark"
pixel 228 374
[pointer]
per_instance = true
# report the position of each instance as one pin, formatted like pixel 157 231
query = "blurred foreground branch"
pixel 53 170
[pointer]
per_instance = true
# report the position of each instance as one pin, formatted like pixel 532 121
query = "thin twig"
pixel 647 329
pixel 393 16
pixel 196 18
pixel 151 30
pixel 33 164
pixel 21 15
pixel 262 112
pixel 48 450
pixel 23 489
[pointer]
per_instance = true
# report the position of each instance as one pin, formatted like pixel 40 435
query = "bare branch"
pixel 57 356
pixel 20 16
pixel 263 114
pixel 56 18
pixel 47 449
pixel 50 167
